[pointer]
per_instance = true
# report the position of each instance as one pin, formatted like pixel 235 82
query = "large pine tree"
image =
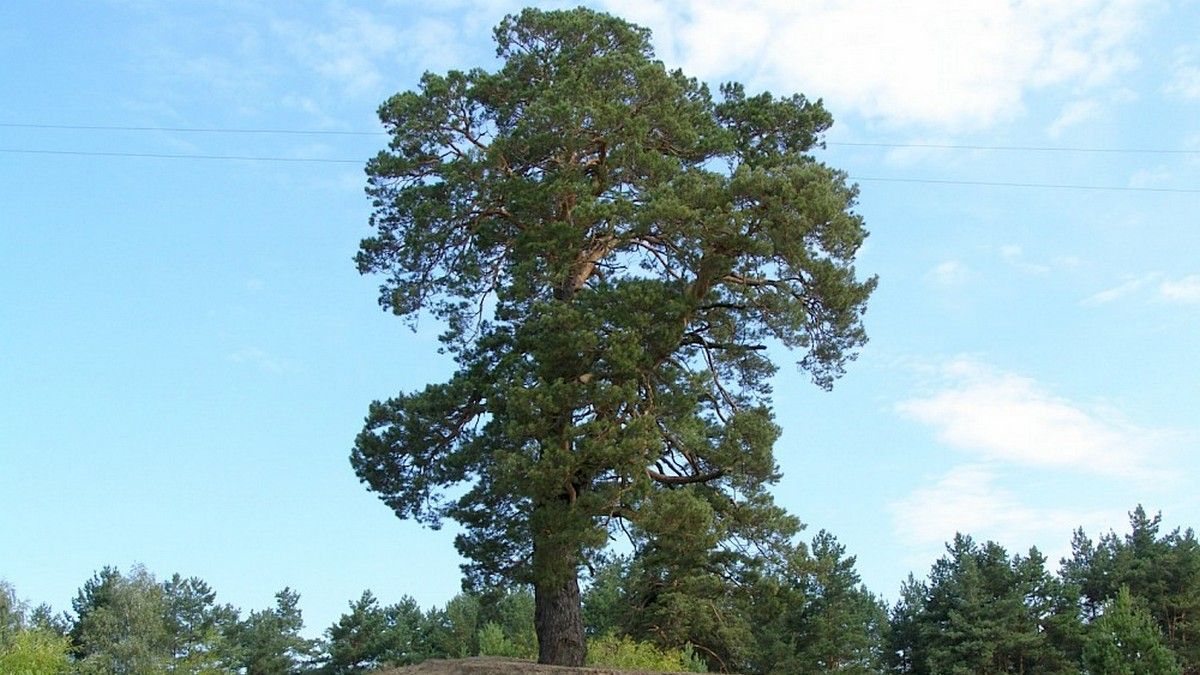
pixel 611 251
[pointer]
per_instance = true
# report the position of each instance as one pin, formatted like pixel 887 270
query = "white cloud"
pixel 924 149
pixel 958 65
pixel 1141 178
pixel 357 49
pixel 1073 114
pixel 1121 290
pixel 348 52
pixel 1014 255
pixel 712 24
pixel 229 64
pixel 967 499
pixel 268 363
pixel 949 274
pixel 1002 416
pixel 1185 76
pixel 1186 290
pixel 1010 252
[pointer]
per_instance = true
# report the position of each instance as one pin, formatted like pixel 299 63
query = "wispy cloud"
pixel 1010 252
pixel 349 52
pixel 1073 114
pixel 357 51
pixel 949 274
pixel 231 63
pixel 924 62
pixel 1014 255
pixel 924 149
pixel 1122 290
pixel 1001 416
pixel 264 361
pixel 1157 176
pixel 1185 290
pixel 1185 73
pixel 970 500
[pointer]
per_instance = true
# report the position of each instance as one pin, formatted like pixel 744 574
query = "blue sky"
pixel 186 350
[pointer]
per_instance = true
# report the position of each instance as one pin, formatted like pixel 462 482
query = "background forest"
pixel 1126 603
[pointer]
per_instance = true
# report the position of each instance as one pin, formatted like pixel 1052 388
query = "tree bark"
pixel 558 617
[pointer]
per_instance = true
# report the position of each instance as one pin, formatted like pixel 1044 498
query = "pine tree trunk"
pixel 558 617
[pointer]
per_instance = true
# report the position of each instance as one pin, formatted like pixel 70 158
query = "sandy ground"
pixel 497 666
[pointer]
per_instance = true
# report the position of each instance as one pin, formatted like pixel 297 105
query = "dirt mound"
pixel 487 665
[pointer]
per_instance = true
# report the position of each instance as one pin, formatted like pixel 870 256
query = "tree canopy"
pixel 612 251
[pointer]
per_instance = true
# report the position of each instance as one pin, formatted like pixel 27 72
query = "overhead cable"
pixel 201 130
pixel 855 144
pixel 326 160
pixel 163 155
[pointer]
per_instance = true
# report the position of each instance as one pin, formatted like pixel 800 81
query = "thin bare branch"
pixel 667 479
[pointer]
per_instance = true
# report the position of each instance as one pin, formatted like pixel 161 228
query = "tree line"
pixel 1122 604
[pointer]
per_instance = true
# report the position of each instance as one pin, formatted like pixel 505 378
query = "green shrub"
pixel 34 652
pixel 493 642
pixel 623 652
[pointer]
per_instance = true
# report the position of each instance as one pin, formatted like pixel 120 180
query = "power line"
pixel 1019 148
pixel 324 160
pixel 163 155
pixel 201 130
pixel 1053 186
pixel 858 144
